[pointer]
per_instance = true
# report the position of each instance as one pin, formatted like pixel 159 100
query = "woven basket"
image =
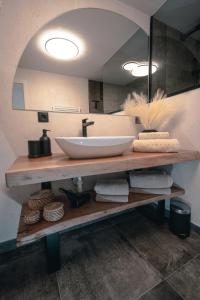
pixel 53 211
pixel 42 194
pixel 32 217
pixel 38 200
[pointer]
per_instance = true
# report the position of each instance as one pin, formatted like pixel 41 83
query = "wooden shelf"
pixel 58 167
pixel 89 212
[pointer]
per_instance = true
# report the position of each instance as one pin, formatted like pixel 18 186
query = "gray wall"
pixel 178 59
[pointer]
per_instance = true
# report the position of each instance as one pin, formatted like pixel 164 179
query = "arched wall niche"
pixel 16 31
pixel 19 21
pixel 48 11
pixel 131 13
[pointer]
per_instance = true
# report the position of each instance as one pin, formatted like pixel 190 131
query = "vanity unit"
pixel 26 171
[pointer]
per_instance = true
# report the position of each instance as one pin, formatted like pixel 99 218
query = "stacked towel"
pixel 150 180
pixel 161 145
pixel 115 190
pixel 153 135
pixel 109 198
pixel 151 183
pixel 155 142
pixel 153 191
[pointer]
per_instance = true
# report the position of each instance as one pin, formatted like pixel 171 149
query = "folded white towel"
pixel 109 198
pixel 166 191
pixel 153 135
pixel 112 187
pixel 150 181
pixel 160 145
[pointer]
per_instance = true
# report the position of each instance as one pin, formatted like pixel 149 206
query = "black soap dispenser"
pixel 45 144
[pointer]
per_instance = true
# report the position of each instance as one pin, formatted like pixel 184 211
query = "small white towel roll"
pixel 116 187
pixel 160 145
pixel 166 191
pixel 109 198
pixel 153 135
pixel 151 181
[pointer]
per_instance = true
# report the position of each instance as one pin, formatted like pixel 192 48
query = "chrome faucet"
pixel 85 124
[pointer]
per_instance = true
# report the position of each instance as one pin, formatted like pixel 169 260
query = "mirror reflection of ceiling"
pixel 94 80
pixel 149 7
pixel 176 46
pixel 135 49
pixel 113 32
pixel 108 34
pixel 182 15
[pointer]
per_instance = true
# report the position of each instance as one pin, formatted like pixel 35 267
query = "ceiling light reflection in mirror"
pixel 129 66
pixel 74 64
pixel 139 69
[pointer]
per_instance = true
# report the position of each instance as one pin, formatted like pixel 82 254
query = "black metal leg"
pixel 53 252
pixel 161 212
pixel 154 212
pixel 46 185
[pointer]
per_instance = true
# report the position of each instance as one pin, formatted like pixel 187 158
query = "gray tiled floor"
pixel 157 245
pixel 126 257
pixel 186 281
pixel 98 270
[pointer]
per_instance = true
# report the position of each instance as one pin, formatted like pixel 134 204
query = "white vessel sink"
pixel 93 147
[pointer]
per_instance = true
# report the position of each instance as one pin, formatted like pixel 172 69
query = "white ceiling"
pixel 149 7
pixel 135 49
pixel 182 15
pixel 103 33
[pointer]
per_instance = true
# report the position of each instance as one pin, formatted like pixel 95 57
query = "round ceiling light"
pixel 143 70
pixel 129 66
pixel 61 48
pixel 139 69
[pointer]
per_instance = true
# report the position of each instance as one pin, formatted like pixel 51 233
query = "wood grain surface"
pixel 87 213
pixel 58 167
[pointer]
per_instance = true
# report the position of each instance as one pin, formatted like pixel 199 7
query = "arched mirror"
pixel 84 61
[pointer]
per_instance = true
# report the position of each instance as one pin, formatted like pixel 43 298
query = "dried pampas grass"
pixel 154 114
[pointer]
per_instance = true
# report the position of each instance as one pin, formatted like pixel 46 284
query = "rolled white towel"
pixel 166 191
pixel 116 187
pixel 109 198
pixel 160 145
pixel 150 181
pixel 153 135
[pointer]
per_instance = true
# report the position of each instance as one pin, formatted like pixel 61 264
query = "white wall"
pixel 187 130
pixel 9 208
pixel 44 91
pixel 19 21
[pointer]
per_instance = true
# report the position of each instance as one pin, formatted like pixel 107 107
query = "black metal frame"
pixel 53 252
pixel 184 90
pixel 191 31
pixel 52 242
pixel 150 60
pixel 194 87
pixel 154 212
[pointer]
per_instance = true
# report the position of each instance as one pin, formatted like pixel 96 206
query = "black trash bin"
pixel 180 217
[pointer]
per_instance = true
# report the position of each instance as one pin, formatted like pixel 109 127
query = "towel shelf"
pixel 86 214
pixel 26 171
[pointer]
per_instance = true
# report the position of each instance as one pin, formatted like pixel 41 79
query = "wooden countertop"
pixel 58 167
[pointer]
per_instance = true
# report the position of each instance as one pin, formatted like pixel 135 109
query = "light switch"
pixel 43 117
